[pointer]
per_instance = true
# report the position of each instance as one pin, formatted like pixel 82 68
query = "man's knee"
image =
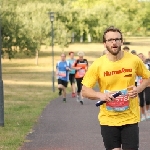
pixel 60 86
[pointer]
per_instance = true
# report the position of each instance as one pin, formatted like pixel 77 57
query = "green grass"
pixel 27 89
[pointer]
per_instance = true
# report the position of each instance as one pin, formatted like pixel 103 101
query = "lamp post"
pixel 52 34
pixel 1 85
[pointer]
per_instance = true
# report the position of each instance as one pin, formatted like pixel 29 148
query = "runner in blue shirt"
pixel 62 72
pixel 72 73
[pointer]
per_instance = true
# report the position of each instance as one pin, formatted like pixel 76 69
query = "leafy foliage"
pixel 26 24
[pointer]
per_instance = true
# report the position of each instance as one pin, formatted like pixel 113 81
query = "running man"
pixel 144 96
pixel 72 74
pixel 81 66
pixel 116 71
pixel 62 73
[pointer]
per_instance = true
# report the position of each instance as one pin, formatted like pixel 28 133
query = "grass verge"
pixel 27 91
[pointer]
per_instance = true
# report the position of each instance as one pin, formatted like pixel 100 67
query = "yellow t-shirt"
pixel 115 76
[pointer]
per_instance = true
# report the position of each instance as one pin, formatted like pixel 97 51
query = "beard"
pixel 114 52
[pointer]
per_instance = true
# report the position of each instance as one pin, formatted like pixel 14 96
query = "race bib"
pixel 62 73
pixel 120 103
pixel 81 72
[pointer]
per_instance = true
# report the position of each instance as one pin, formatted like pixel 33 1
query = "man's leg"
pixel 142 108
pixel 72 82
pixel 64 85
pixel 73 89
pixel 64 94
pixel 60 86
pixel 78 89
pixel 130 137
pixel 147 99
pixel 81 97
pixel 111 137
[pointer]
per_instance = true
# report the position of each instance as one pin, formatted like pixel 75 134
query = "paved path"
pixel 71 126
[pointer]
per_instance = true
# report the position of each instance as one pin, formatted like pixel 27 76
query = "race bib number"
pixel 120 103
pixel 62 73
pixel 82 72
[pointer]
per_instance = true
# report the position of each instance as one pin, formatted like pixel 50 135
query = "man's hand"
pixel 67 68
pixel 132 91
pixel 78 68
pixel 106 96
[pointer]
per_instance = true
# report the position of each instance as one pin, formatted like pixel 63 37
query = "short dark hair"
pixel 126 47
pixel 112 29
pixel 71 53
pixel 134 52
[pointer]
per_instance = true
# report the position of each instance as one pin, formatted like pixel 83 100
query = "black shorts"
pixel 63 82
pixel 72 78
pixel 126 136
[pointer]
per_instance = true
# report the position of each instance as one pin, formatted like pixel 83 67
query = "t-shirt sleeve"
pixel 91 76
pixel 142 70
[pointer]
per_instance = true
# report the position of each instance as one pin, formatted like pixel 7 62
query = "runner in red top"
pixel 81 66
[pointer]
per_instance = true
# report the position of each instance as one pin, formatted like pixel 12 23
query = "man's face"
pixel 63 57
pixel 72 55
pixel 113 42
pixel 141 56
pixel 80 57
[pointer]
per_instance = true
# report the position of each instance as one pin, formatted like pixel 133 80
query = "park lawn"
pixel 27 89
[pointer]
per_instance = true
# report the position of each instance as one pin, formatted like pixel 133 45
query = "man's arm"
pixel 57 71
pixel 90 93
pixel 93 95
pixel 133 90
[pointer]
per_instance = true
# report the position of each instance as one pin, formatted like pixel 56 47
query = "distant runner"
pixel 72 74
pixel 81 66
pixel 62 73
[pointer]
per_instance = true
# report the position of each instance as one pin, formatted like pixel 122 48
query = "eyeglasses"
pixel 116 40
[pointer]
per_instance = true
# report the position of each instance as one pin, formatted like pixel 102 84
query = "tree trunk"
pixel 37 57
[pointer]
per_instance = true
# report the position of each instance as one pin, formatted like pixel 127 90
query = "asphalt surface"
pixel 72 126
